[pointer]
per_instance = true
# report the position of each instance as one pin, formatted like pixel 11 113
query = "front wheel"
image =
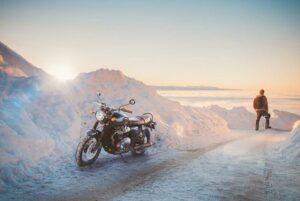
pixel 87 151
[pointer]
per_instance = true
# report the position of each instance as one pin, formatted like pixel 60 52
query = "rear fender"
pixel 151 125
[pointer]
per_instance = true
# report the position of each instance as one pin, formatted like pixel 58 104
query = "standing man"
pixel 260 105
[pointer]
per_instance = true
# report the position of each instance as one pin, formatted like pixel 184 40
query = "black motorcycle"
pixel 116 133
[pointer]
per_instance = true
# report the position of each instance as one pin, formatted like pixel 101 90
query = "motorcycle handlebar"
pixel 105 107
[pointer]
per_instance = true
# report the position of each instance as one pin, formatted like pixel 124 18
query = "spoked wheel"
pixel 88 151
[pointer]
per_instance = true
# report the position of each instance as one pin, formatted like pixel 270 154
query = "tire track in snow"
pixel 146 175
pixel 268 175
pixel 255 171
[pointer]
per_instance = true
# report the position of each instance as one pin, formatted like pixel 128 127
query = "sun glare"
pixel 62 72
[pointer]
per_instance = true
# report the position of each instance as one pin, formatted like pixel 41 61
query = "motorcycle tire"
pixel 83 147
pixel 141 151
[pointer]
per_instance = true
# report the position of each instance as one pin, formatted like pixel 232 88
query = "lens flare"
pixel 62 72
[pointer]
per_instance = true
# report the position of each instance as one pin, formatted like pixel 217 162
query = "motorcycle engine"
pixel 122 130
pixel 137 136
pixel 123 144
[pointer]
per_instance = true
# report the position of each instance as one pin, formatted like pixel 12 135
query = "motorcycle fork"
pixel 99 139
pixel 95 125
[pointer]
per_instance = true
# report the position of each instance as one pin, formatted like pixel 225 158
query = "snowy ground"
pixel 247 167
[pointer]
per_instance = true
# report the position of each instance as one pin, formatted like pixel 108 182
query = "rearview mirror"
pixel 131 101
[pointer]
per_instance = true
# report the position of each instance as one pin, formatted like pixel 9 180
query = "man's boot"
pixel 257 124
pixel 268 122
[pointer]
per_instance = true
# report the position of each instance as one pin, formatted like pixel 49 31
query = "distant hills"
pixel 185 88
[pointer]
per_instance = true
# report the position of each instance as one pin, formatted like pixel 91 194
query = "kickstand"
pixel 123 159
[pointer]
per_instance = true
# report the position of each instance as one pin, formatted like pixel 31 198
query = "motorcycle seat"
pixel 139 120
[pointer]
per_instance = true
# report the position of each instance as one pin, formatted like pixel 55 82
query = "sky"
pixel 230 44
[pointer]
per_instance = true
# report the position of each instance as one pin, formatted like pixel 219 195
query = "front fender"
pixel 94 133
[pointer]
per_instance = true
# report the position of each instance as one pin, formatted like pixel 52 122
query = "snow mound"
pixel 291 148
pixel 241 118
pixel 41 119
pixel 284 120
pixel 174 120
pixel 236 118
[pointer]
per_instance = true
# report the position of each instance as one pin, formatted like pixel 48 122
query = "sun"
pixel 62 72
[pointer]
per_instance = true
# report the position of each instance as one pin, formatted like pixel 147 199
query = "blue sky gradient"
pixel 233 44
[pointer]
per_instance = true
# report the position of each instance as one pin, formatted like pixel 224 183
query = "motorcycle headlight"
pixel 100 115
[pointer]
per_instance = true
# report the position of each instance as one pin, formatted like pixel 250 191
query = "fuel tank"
pixel 118 118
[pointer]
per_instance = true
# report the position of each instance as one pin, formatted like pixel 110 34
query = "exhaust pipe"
pixel 143 146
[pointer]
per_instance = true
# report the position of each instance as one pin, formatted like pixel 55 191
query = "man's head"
pixel 262 92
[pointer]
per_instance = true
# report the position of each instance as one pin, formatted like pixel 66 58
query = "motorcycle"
pixel 116 133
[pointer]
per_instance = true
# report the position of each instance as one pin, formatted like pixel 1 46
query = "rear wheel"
pixel 140 151
pixel 87 151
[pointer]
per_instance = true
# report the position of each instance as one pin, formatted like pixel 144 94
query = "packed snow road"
pixel 246 168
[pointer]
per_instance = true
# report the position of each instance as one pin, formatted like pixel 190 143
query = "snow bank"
pixel 284 120
pixel 173 119
pixel 43 119
pixel 35 121
pixel 291 148
pixel 241 118
pixel 236 118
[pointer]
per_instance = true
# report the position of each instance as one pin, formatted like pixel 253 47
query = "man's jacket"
pixel 260 103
